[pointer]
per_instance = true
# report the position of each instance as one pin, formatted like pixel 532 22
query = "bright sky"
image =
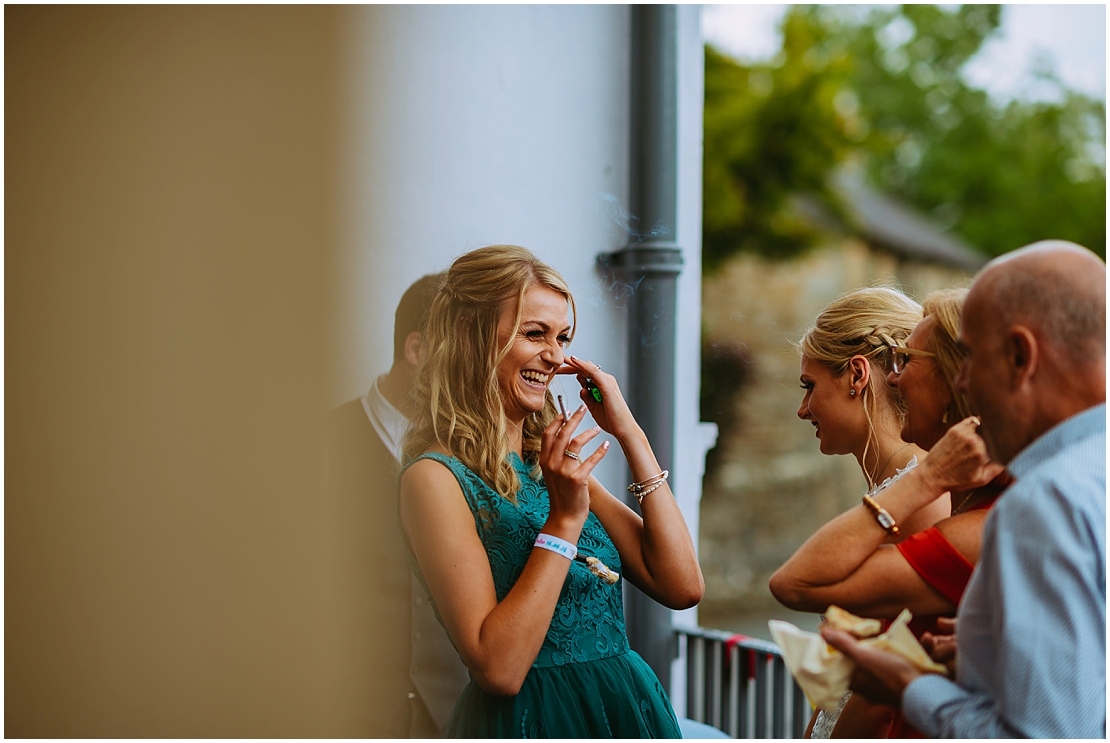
pixel 1072 37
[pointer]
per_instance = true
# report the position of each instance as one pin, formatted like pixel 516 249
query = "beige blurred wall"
pixel 168 189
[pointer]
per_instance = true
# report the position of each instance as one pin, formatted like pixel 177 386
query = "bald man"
pixel 1032 625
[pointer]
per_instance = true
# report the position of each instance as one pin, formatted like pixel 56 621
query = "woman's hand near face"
pixel 656 549
pixel 959 460
pixel 612 412
pixel 846 561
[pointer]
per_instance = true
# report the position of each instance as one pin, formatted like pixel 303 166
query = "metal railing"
pixel 740 685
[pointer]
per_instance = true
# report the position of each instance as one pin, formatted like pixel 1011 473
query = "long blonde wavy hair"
pixel 865 322
pixel 946 307
pixel 456 394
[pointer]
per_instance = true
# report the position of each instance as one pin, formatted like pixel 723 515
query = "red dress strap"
pixel 937 561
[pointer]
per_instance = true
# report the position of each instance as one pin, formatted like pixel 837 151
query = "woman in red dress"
pixel 862 560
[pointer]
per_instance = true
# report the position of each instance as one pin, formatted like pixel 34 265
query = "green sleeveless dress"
pixel 586 682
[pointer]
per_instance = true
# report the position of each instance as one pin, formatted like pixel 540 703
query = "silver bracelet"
pixel 642 488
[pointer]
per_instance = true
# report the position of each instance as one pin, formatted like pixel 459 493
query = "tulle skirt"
pixel 614 697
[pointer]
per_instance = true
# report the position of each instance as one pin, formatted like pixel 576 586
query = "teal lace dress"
pixel 585 682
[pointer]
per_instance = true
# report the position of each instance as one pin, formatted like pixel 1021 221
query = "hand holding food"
pixel 840 619
pixel 823 672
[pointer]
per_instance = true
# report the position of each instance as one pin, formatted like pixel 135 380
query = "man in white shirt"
pixel 409 674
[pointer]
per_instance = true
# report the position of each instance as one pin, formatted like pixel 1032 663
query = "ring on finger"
pixel 572 455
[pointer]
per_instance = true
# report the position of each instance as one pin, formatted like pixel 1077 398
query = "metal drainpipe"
pixel 650 265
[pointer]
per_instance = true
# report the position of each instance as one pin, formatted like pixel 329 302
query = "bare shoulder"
pixel 426 472
pixel 429 486
pixel 963 521
pixel 964 532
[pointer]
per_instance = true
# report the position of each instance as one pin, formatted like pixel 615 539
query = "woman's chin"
pixel 829 449
pixel 531 406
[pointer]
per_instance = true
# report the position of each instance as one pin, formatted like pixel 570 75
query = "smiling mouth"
pixel 535 379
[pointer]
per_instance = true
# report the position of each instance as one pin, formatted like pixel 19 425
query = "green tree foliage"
pixel 770 131
pixel 883 86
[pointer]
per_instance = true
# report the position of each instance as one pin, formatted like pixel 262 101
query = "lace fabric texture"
pixel 893 478
pixel 585 681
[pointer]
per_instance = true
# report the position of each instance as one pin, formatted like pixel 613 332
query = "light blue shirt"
pixel 1032 624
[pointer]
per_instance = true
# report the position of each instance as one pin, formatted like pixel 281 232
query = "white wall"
pixel 481 125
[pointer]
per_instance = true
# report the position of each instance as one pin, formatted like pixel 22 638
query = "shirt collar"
pixel 388 421
pixel 1060 436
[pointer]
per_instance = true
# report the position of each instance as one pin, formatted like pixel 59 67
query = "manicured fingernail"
pixel 597 428
pixel 605 445
pixel 581 408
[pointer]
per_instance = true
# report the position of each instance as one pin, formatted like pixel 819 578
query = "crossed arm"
pixel 850 562
pixel 846 563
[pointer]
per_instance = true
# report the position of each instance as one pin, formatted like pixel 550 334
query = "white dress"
pixel 826 721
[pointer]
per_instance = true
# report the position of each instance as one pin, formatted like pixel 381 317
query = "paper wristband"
pixel 561 546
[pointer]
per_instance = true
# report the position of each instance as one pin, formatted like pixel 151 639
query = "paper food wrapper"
pixel 824 672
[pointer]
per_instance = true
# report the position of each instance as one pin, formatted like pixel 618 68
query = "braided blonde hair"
pixel 456 394
pixel 865 322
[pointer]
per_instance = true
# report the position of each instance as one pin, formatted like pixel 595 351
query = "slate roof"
pixel 899 228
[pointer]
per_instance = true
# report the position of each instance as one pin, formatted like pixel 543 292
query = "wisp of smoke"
pixel 623 219
pixel 620 219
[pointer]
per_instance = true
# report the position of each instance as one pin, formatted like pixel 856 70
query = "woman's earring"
pixel 852 392
pixel 944 418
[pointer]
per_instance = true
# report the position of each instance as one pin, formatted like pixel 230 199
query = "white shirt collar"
pixel 387 420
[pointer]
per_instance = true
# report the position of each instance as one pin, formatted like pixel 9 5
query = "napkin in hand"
pixel 824 672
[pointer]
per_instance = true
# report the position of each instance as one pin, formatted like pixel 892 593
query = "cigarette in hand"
pixel 563 408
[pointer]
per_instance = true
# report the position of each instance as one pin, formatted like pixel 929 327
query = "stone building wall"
pixel 767 487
